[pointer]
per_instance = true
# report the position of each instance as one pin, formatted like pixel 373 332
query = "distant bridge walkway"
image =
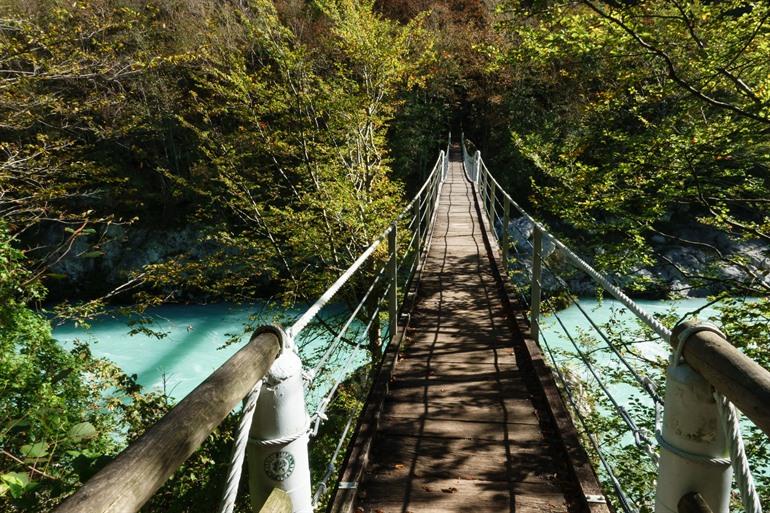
pixel 460 429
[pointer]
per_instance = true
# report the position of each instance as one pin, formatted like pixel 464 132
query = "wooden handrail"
pixel 279 502
pixel 733 374
pixel 693 502
pixel 126 483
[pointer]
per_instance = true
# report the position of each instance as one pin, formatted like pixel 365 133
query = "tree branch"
pixel 672 71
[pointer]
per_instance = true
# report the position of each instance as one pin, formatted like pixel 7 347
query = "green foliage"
pixel 638 122
pixel 287 133
pixel 624 145
pixel 162 114
pixel 60 410
pixel 293 170
pixel 88 95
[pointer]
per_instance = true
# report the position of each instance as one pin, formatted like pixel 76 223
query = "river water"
pixel 195 341
pixel 192 347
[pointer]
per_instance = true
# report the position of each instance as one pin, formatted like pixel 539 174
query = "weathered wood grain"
pixel 131 479
pixel 459 429
pixel 277 502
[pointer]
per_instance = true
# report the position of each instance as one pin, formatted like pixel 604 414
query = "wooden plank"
pixel 460 388
pixel 460 355
pixel 127 482
pixel 277 502
pixel 462 428
pixel 531 359
pixel 422 338
pixel 453 458
pixel 459 414
pixel 458 316
pixel 432 495
pixel 464 371
pixel 446 340
pixel 505 410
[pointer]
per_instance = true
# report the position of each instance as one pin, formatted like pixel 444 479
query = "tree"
pixel 294 165
pixel 647 122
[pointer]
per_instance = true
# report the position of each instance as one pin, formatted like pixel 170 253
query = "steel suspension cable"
pixel 727 412
pixel 314 309
pixel 320 414
pixel 581 264
pixel 641 437
pixel 625 502
pixel 330 466
pixel 643 381
pixel 338 338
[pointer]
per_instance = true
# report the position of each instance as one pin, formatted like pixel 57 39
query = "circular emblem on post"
pixel 279 465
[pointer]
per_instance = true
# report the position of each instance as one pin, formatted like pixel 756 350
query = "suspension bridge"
pixel 469 408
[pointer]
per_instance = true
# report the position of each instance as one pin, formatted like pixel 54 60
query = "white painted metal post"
pixel 537 273
pixel 693 453
pixel 492 199
pixel 277 453
pixel 429 205
pixel 433 197
pixel 393 272
pixel 478 178
pixel 504 241
pixel 418 229
pixel 444 164
pixel 446 156
pixel 476 166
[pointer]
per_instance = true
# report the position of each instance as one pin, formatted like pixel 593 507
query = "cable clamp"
pixel 676 357
pixel 692 456
pixel 284 440
pixel 595 499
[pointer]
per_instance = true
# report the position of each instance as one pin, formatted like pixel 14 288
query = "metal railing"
pixel 274 383
pixel 126 483
pixel 697 444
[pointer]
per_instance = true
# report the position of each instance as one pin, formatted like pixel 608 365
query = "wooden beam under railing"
pixel 129 481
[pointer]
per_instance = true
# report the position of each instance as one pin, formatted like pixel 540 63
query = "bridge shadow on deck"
pixel 459 430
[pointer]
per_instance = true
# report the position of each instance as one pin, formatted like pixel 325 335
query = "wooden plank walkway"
pixel 460 429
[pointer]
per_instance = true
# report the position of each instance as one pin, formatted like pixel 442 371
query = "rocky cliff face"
pixel 684 256
pixel 693 261
pixel 86 273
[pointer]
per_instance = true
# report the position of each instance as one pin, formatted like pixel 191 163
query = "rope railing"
pixel 625 502
pixel 644 382
pixel 128 481
pixel 490 193
pixel 346 367
pixel 280 388
pixel 391 274
pixel 338 337
pixel 270 379
pixel 302 322
pixel 641 436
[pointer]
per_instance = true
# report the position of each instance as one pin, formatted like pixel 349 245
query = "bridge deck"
pixel 459 429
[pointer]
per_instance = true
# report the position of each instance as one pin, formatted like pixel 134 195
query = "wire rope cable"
pixel 230 493
pixel 625 502
pixel 727 412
